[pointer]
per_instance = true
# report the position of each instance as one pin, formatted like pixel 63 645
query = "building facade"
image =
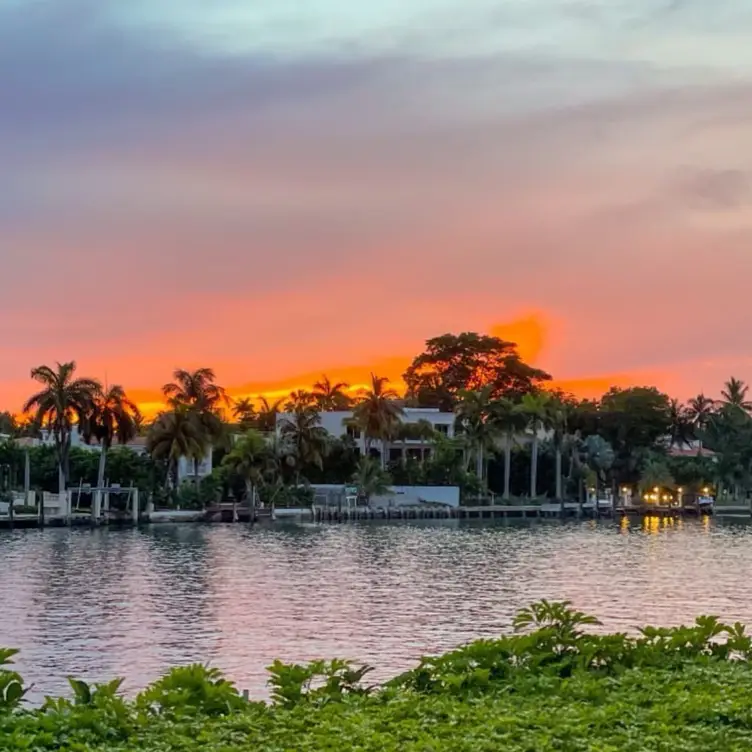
pixel 336 423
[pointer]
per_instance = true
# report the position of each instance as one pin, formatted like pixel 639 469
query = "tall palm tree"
pixel 559 412
pixel 266 417
pixel 536 409
pixel 377 415
pixel 304 437
pixel 175 434
pixel 197 392
pixel 113 417
pixel 599 456
pixel 680 424
pixel 248 459
pixel 245 413
pixel 699 410
pixel 735 393
pixel 476 423
pixel 330 397
pixel 63 401
pixel 509 422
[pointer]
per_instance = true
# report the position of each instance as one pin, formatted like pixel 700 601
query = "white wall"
pixel 186 469
pixel 405 495
pixel 334 423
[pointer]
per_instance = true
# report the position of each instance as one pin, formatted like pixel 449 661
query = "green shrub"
pixel 551 686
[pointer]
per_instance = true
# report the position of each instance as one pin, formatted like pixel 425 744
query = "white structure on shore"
pixel 186 466
pixel 336 423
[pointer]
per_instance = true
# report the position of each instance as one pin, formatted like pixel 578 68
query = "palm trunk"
pixel 507 468
pixel 384 452
pixel 534 467
pixel 251 504
pixel 96 500
pixel 479 463
pixel 559 493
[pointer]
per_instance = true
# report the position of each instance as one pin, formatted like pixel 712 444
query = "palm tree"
pixel 509 422
pixel 377 415
pixel 735 393
pixel 266 417
pixel 700 409
pixel 680 424
pixel 113 417
pixel 599 456
pixel 330 397
pixel 475 421
pixel 63 401
pixel 248 459
pixel 536 409
pixel 197 392
pixel 370 479
pixel 559 412
pixel 245 413
pixel 299 398
pixel 175 434
pixel 303 435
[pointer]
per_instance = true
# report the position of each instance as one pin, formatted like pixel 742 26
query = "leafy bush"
pixel 551 686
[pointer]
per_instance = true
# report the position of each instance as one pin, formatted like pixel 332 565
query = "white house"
pixel 335 423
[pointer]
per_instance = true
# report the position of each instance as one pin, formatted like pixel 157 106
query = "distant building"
pixel 336 423
pixel 186 467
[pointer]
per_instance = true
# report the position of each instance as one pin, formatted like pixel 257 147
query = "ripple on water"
pixel 104 603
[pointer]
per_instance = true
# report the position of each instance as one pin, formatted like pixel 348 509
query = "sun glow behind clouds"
pixel 530 331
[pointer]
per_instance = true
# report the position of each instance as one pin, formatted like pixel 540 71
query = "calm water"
pixel 105 603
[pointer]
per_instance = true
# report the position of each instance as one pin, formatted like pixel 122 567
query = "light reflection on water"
pixel 105 603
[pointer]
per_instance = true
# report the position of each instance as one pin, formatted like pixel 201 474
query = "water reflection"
pixel 104 603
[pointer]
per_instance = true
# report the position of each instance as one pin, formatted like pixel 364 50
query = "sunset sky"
pixel 277 189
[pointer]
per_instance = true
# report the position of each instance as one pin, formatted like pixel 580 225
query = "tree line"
pixel 514 434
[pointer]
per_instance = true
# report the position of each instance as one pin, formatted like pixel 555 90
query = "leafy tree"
pixel 112 417
pixel 635 422
pixel 729 435
pixel 452 363
pixel 8 424
pixel 536 408
pixel 655 474
pixel 63 401
pixel 331 396
pixel 377 415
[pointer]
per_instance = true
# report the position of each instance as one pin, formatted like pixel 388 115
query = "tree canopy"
pixel 469 361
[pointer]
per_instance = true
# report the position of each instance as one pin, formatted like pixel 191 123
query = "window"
pixel 353 433
pixel 442 428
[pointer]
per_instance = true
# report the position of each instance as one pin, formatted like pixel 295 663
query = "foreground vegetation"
pixel 551 686
pixel 513 435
